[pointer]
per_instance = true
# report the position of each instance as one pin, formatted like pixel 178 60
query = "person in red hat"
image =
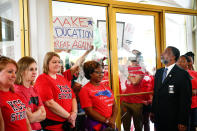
pixel 134 104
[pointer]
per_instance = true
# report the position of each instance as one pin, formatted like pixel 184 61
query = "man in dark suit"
pixel 172 94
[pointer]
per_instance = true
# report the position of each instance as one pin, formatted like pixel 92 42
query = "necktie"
pixel 164 74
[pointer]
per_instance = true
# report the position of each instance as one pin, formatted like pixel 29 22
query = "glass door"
pixel 136 49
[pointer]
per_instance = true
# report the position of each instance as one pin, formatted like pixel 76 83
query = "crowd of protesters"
pixel 56 101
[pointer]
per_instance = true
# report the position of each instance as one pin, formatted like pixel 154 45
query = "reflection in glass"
pixel 181 32
pixel 138 35
pixel 7 30
pixel 137 63
pixel 99 53
pixel 10 29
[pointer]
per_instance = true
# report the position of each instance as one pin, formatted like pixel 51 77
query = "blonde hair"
pixel 4 61
pixel 23 65
pixel 47 58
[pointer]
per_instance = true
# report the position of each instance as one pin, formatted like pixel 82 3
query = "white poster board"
pixel 72 32
pixel 101 24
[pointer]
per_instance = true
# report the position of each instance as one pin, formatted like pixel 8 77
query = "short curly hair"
pixel 89 67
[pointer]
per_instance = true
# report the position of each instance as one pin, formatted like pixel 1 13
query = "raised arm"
pixel 75 68
pixel 81 59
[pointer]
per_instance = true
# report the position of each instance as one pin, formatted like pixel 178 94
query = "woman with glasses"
pixel 12 106
pixel 97 99
pixel 56 93
pixel 24 86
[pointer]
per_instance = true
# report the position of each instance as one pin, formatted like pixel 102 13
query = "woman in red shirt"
pixel 27 72
pixel 97 99
pixel 56 93
pixel 183 62
pixel 12 107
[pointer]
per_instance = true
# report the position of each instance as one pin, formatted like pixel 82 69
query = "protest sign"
pixel 72 32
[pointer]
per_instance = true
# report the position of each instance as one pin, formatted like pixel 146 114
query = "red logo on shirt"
pixel 19 110
pixel 65 92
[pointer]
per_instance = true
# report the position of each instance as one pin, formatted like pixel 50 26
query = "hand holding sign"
pixel 72 32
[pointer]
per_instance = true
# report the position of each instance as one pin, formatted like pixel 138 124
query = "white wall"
pixel 39 30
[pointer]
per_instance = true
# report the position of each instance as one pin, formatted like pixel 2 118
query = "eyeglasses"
pixel 98 72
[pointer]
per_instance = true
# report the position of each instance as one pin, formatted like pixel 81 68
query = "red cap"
pixel 135 70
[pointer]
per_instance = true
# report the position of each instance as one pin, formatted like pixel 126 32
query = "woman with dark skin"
pixel 97 100
pixel 191 61
pixel 183 62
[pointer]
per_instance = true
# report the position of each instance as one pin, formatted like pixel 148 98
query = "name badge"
pixel 171 89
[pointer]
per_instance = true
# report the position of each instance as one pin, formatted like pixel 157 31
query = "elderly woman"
pixel 97 99
pixel 184 62
pixel 12 107
pixel 58 98
pixel 27 72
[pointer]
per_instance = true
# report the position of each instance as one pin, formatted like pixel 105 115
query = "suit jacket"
pixel 172 99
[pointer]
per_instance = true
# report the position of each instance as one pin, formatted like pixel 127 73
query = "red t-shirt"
pixel 67 75
pixel 57 89
pixel 100 98
pixel 148 85
pixel 105 79
pixel 31 99
pixel 194 86
pixel 13 111
pixel 130 88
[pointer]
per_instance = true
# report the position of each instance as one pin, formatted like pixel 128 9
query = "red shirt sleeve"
pixel 67 75
pixel 194 78
pixel 85 100
pixel 43 86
